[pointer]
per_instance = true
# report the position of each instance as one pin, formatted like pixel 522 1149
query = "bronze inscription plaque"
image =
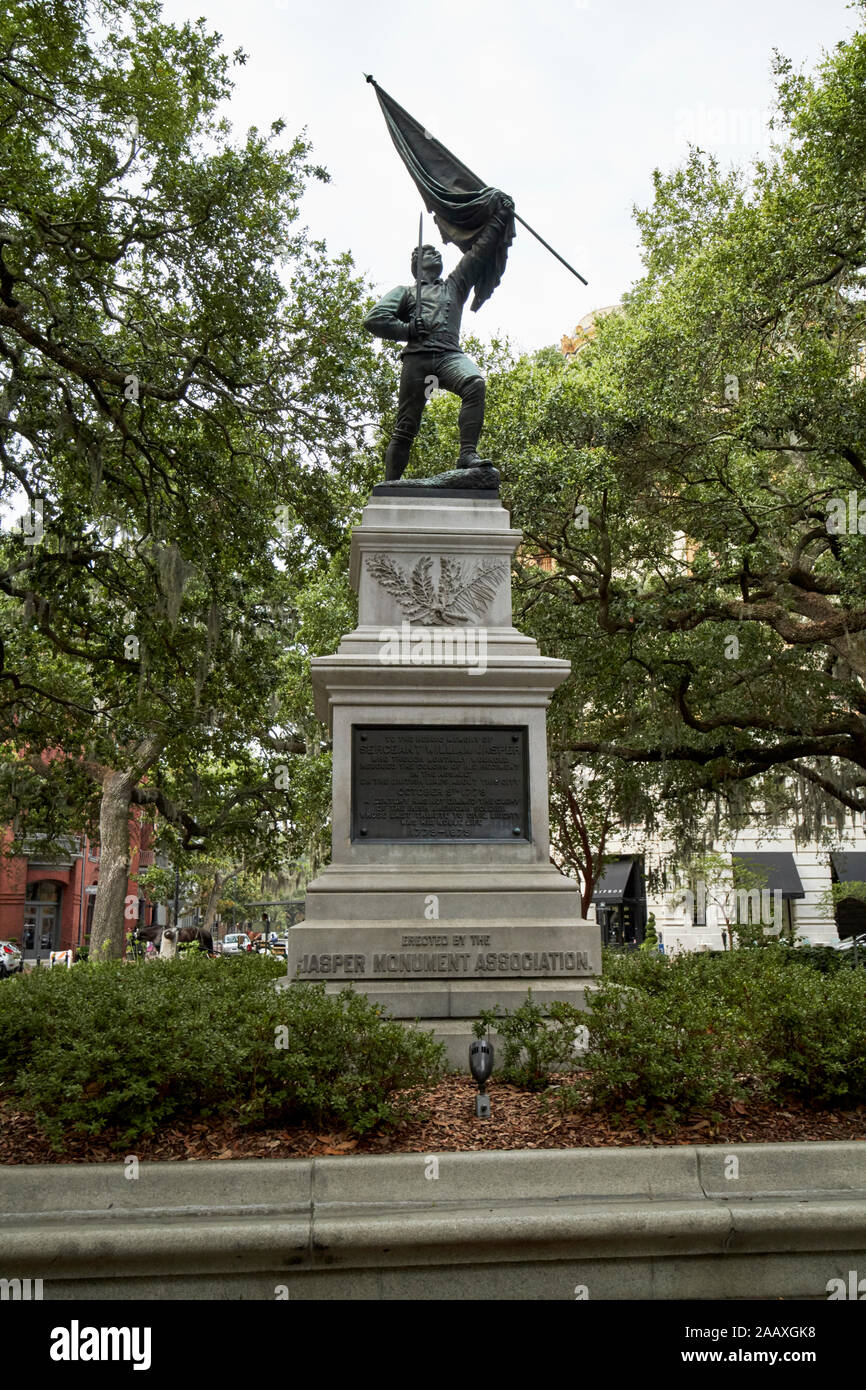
pixel 428 784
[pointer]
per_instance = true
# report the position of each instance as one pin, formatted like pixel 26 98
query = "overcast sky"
pixel 567 105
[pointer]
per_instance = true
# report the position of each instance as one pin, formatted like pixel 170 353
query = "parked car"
pixel 11 959
pixel 235 943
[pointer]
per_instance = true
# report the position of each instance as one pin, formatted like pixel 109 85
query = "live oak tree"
pixel 184 373
pixel 695 479
pixel 727 402
pixel 189 722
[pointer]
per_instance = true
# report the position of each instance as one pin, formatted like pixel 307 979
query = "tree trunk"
pixel 108 934
pixel 213 899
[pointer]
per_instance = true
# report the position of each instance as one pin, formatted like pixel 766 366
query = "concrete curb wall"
pixel 624 1223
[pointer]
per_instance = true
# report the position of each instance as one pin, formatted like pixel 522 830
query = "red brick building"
pixel 46 899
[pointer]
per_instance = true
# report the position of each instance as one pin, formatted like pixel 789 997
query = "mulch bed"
pixel 519 1120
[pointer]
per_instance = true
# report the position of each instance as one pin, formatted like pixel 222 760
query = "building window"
pixel 527 556
pixel 699 898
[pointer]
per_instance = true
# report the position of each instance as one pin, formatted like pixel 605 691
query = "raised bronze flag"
pixel 461 204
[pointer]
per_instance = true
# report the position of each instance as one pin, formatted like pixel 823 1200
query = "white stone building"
pixel 689 916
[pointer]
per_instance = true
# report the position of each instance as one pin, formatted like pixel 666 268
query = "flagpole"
pixel 546 244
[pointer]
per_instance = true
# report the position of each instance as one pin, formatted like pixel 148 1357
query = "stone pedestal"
pixel 440 899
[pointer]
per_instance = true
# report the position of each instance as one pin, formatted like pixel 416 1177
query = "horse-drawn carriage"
pixel 267 943
pixel 166 940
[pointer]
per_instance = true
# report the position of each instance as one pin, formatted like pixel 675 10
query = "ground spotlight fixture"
pixel 481 1065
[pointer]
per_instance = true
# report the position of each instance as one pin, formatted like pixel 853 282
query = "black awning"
pixel 848 866
pixel 778 867
pixel 614 881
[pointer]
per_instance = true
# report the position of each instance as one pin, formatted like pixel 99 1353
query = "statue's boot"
pixel 469 459
pixel 396 458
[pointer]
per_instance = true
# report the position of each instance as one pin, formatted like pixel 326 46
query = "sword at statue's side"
pixel 418 269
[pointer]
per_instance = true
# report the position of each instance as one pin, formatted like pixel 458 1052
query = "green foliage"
pixel 111 1048
pixel 346 1063
pixel 809 1030
pixel 651 940
pixel 630 968
pixel 669 1048
pixel 539 1040
pixel 837 893
pixel 827 959
pixel 746 935
pixel 184 374
pixel 156 884
pixel 667 1036
pixel 805 1014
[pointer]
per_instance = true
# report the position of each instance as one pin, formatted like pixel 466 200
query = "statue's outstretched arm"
pixel 468 268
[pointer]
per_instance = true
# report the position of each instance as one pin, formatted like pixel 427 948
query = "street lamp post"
pixel 481 1065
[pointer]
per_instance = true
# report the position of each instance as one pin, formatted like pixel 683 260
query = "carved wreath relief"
pixel 464 591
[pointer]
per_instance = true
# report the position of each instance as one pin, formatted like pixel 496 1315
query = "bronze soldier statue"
pixel 432 356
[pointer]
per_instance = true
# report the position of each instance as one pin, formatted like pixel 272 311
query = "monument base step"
pixel 452 999
pixel 449 1008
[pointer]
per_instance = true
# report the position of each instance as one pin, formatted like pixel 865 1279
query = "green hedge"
pixel 668 1036
pixel 675 1034
pixel 122 1049
pixel 537 1040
